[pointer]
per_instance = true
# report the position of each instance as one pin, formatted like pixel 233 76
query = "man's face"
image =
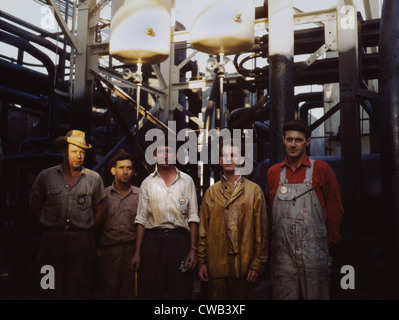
pixel 230 158
pixel 165 156
pixel 295 143
pixel 123 171
pixel 76 156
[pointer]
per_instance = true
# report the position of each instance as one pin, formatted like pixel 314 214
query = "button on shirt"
pixel 119 225
pixel 62 206
pixel 173 207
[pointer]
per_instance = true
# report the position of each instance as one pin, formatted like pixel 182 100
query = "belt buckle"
pixel 67 228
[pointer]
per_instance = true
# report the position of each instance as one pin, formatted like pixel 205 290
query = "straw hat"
pixel 75 137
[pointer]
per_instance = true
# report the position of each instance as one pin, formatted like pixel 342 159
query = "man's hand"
pixel 252 276
pixel 192 258
pixel 135 263
pixel 203 273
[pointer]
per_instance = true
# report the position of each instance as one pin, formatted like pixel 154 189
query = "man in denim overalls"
pixel 306 217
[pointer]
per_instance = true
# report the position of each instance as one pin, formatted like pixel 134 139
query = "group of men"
pixel 150 241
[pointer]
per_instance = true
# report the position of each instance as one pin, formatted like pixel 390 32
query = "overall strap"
pixel 309 173
pixel 283 175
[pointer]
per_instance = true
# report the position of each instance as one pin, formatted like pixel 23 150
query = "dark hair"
pixel 298 125
pixel 120 155
pixel 229 142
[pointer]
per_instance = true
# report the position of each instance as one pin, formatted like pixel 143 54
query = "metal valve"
pixel 137 77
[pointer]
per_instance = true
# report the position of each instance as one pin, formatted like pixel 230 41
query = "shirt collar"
pixel 132 190
pixel 235 183
pixel 305 162
pixel 157 173
pixel 59 168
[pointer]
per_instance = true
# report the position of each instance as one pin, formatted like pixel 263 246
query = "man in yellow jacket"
pixel 233 240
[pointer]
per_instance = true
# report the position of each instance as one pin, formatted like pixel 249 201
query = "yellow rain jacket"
pixel 233 230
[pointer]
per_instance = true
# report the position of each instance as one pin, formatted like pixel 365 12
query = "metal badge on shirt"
pixel 82 197
pixel 183 205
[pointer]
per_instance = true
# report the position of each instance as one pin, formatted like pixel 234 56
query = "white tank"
pixel 115 5
pixel 222 26
pixel 141 31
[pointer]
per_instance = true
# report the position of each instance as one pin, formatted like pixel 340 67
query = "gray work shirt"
pixel 119 227
pixel 62 206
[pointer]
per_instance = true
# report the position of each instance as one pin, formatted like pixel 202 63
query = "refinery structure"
pixel 116 69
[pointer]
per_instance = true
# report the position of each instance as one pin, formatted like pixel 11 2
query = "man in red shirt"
pixel 306 218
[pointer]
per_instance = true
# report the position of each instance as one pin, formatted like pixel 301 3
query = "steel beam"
pixel 72 39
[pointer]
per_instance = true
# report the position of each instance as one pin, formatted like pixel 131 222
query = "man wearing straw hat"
pixel 68 201
pixel 117 236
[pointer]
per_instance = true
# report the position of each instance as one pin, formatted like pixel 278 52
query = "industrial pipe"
pixel 29 48
pixel 23 79
pixel 281 73
pixel 388 114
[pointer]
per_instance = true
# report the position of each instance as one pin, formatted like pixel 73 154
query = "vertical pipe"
pixel 220 110
pixel 351 152
pixel 82 87
pixel 388 114
pixel 281 75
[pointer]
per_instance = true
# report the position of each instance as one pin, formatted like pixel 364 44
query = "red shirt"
pixel 325 185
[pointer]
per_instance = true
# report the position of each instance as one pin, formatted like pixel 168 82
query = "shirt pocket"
pixel 83 200
pixel 52 209
pixel 183 204
pixel 131 215
pixel 54 198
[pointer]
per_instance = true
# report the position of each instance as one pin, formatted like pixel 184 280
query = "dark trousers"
pixel 72 255
pixel 115 276
pixel 159 276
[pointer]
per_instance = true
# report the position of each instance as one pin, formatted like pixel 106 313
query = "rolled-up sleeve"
pixel 141 217
pixel 99 191
pixel 193 208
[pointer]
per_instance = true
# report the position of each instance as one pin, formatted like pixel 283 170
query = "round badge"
pixel 283 189
pixel 81 200
pixel 182 201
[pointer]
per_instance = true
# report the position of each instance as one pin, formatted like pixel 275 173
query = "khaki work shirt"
pixel 233 235
pixel 173 207
pixel 62 206
pixel 118 227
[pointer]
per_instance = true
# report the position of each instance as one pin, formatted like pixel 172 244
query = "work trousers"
pixel 159 275
pixel 115 275
pixel 72 255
